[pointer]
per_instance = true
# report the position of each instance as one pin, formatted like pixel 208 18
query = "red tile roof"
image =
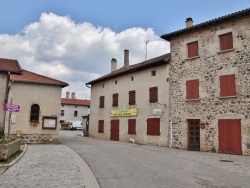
pixel 10 65
pixel 75 102
pixel 31 77
pixel 163 59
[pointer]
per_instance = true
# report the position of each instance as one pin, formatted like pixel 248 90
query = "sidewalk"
pixel 49 166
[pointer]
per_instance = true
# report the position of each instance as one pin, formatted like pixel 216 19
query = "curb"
pixel 16 159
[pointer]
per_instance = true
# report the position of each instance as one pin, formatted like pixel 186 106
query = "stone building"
pixel 40 100
pixel 130 104
pixel 210 84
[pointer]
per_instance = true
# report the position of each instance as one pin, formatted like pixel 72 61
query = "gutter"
pixel 87 85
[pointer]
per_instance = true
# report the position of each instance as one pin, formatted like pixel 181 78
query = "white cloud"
pixel 76 53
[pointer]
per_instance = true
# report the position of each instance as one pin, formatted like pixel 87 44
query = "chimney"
pixel 126 59
pixel 73 95
pixel 67 94
pixel 113 64
pixel 189 22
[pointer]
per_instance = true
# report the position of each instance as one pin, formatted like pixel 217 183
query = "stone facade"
pixel 207 68
pixel 39 139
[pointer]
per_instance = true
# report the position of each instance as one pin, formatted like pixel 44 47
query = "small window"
pixel 153 73
pixel 227 85
pixel 193 49
pixel 131 126
pixel 75 106
pixel 132 78
pixel 102 85
pixel 101 102
pixel 101 126
pixel 153 94
pixel 34 113
pixel 153 126
pixel 62 112
pixel 131 97
pixel 192 89
pixel 226 41
pixel 116 82
pixel 62 105
pixel 115 100
pixel 75 113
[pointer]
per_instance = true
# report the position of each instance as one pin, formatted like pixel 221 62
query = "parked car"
pixel 75 125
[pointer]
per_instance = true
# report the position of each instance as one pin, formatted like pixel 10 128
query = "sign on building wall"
pixel 157 111
pixel 11 107
pixel 124 112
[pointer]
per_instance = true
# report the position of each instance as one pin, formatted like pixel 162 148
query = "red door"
pixel 230 136
pixel 114 131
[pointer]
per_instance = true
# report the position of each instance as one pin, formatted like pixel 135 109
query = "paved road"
pixel 118 164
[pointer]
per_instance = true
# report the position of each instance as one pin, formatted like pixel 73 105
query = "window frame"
pixel 115 100
pixel 193 49
pixel 62 112
pixel 228 85
pixel 226 45
pixel 34 116
pixel 101 126
pixel 153 94
pixel 75 113
pixel 132 126
pixel 153 126
pixel 132 97
pixel 192 89
pixel 101 101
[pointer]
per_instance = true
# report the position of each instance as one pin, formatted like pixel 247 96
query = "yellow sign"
pixel 123 113
pixel 18 133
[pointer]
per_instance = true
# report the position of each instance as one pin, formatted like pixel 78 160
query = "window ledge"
pixel 190 58
pixel 193 100
pixel 228 97
pixel 224 51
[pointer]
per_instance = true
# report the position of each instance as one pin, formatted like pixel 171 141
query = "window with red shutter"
pixel 193 49
pixel 115 100
pixel 226 41
pixel 192 89
pixel 101 126
pixel 153 126
pixel 131 126
pixel 101 102
pixel 227 85
pixel 153 94
pixel 131 99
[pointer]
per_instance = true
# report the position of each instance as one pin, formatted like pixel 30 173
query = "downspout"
pixel 88 86
pixel 171 133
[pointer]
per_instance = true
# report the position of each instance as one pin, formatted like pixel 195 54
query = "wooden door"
pixel 194 134
pixel 114 131
pixel 230 136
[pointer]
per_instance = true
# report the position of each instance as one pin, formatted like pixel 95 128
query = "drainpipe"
pixel 171 133
pixel 6 97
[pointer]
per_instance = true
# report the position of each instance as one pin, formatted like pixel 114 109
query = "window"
pixel 75 113
pixel 75 106
pixel 101 102
pixel 102 85
pixel 131 126
pixel 193 49
pixel 115 100
pixel 62 112
pixel 226 41
pixel 153 94
pixel 132 78
pixel 131 100
pixel 34 113
pixel 153 126
pixel 101 126
pixel 153 73
pixel 227 85
pixel 116 82
pixel 192 89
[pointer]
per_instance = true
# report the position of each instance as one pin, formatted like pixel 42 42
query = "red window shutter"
pixel 101 103
pixel 192 89
pixel 100 126
pixel 227 85
pixel 153 94
pixel 153 126
pixel 131 97
pixel 193 49
pixel 226 41
pixel 115 100
pixel 131 126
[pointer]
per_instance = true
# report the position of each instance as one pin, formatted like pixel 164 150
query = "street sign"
pixel 11 107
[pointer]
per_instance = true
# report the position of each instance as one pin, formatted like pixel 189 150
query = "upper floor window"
pixel 193 49
pixel 115 100
pixel 226 41
pixel 34 113
pixel 62 112
pixel 153 94
pixel 227 85
pixel 192 89
pixel 153 73
pixel 75 113
pixel 131 98
pixel 101 102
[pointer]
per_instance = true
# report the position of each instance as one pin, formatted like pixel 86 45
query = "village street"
pixel 119 164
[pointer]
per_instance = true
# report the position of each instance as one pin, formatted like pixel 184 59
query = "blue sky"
pixel 74 41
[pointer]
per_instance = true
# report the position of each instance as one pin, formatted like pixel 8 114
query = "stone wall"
pixel 39 139
pixel 208 67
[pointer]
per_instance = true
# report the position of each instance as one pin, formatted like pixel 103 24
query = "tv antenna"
pixel 146 48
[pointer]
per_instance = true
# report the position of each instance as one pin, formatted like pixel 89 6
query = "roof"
pixel 160 60
pixel 31 77
pixel 10 65
pixel 75 102
pixel 216 20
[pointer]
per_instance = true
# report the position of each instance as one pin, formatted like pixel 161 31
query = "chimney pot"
pixel 126 59
pixel 67 94
pixel 113 64
pixel 189 22
pixel 73 95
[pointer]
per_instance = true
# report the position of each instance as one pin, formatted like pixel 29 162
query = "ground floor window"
pixel 101 126
pixel 153 126
pixel 131 126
